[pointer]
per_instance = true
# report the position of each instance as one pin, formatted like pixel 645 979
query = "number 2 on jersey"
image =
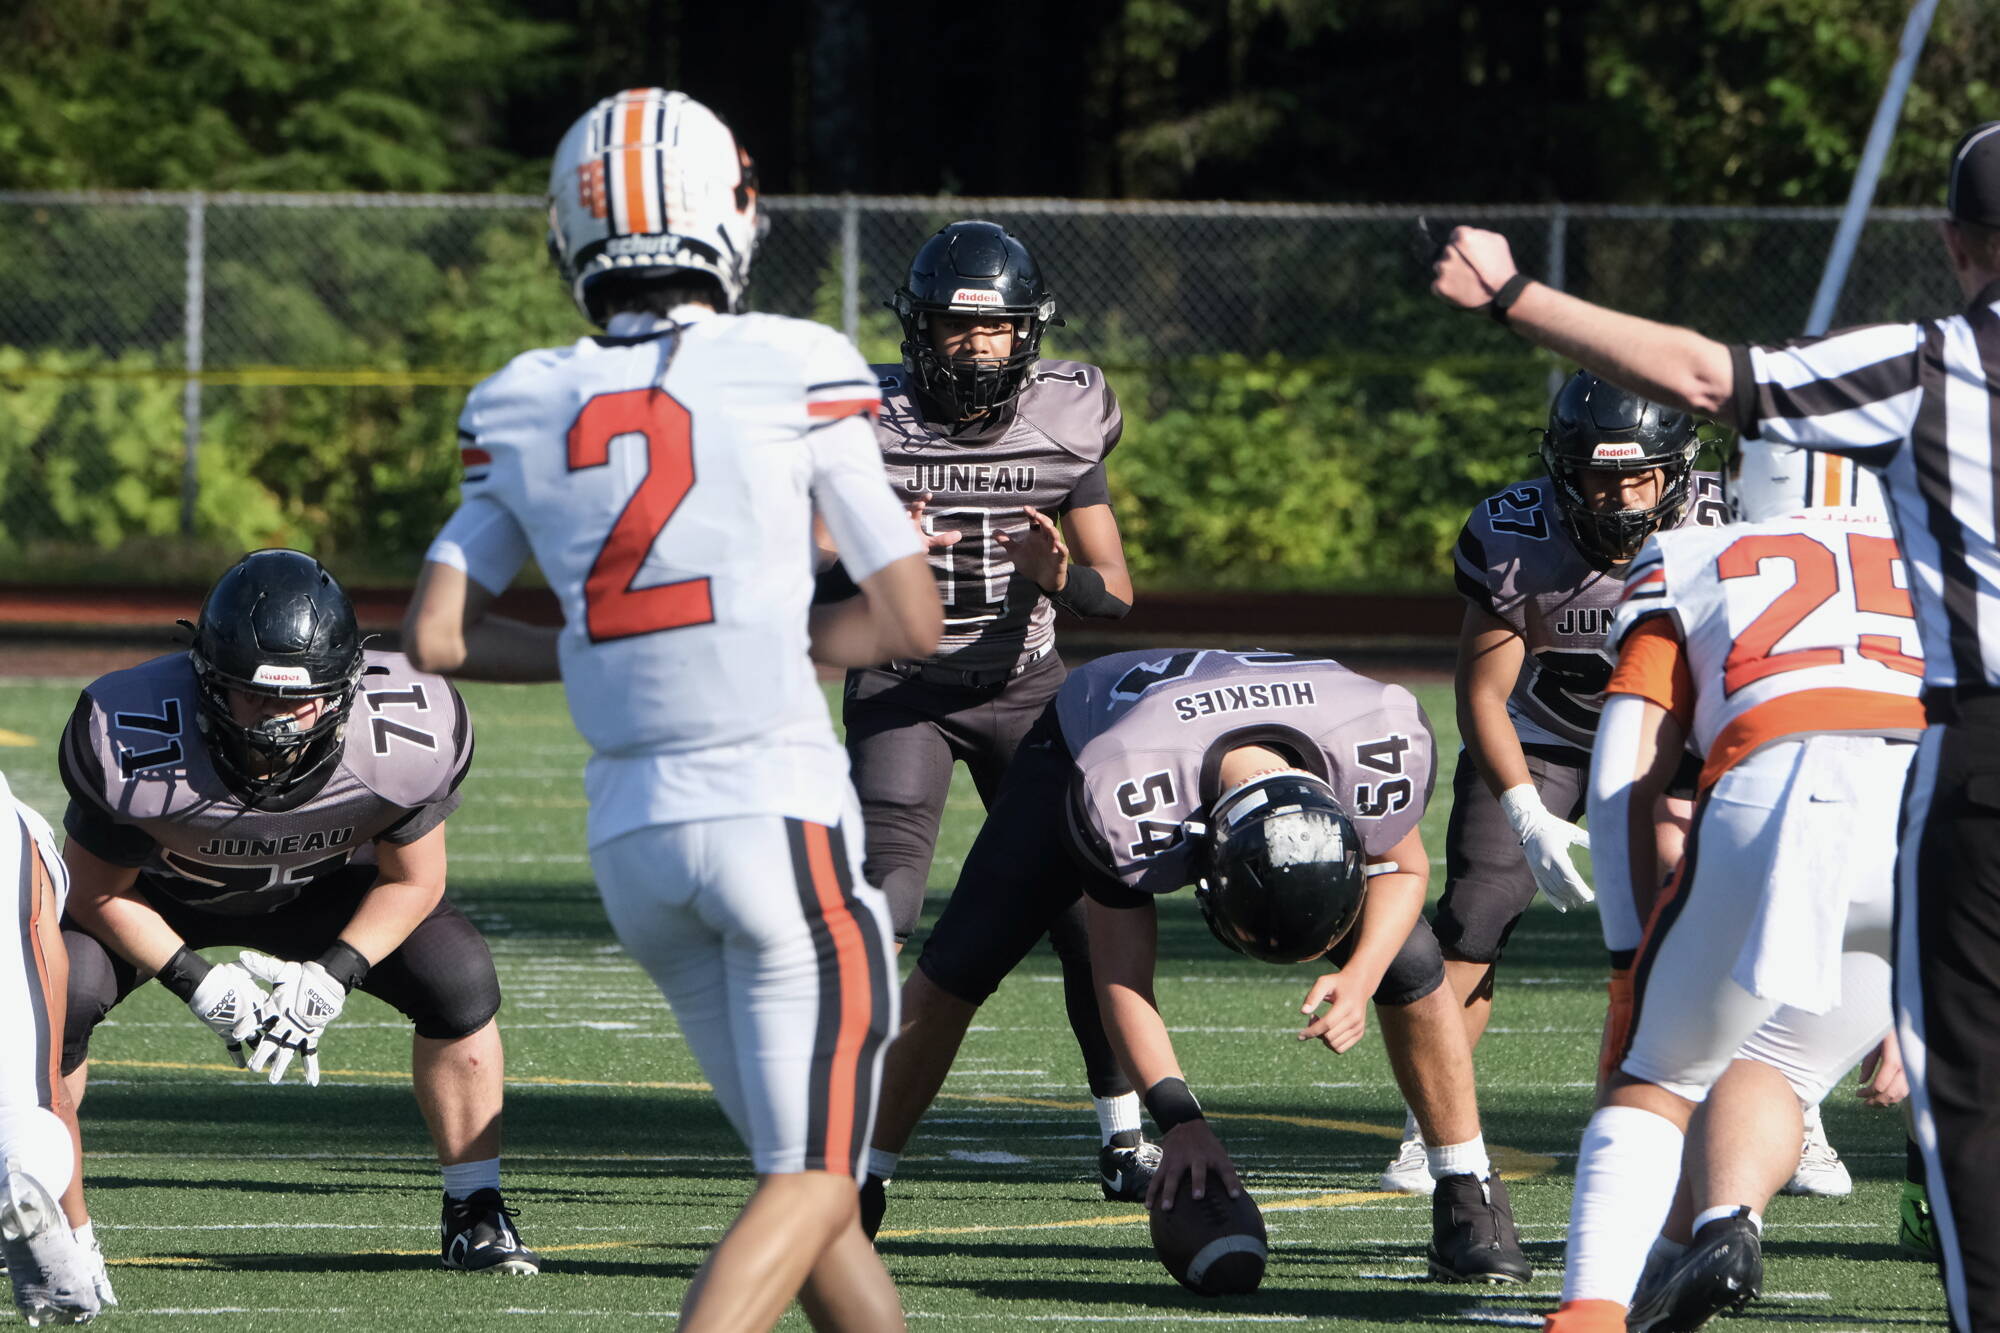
pixel 1815 581
pixel 614 608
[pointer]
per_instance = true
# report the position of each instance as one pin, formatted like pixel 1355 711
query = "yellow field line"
pixel 15 738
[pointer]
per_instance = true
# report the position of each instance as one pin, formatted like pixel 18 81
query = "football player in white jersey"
pixel 57 1274
pixel 1784 645
pixel 665 475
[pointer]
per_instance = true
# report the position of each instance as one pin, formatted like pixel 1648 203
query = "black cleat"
pixel 1125 1174
pixel 1723 1270
pixel 1472 1232
pixel 479 1236
pixel 874 1202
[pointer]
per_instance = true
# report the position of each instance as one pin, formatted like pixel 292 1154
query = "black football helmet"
pixel 1283 878
pixel 1595 424
pixel 275 624
pixel 972 268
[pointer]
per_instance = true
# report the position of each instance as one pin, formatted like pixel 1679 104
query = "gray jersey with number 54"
pixel 1515 562
pixel 144 792
pixel 1148 731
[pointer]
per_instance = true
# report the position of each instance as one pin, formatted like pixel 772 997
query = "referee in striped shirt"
pixel 1920 404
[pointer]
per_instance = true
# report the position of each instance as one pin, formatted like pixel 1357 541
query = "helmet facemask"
pixel 272 757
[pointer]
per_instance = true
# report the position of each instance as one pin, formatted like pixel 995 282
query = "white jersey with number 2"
pixel 664 476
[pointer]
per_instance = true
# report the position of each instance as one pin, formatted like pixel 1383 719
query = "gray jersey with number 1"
pixel 144 792
pixel 1148 731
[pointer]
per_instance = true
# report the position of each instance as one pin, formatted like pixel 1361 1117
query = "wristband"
pixel 1170 1103
pixel 182 973
pixel 345 964
pixel 1084 594
pixel 1503 300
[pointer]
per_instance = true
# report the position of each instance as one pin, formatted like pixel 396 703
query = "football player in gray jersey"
pixel 281 787
pixel 1541 566
pixel 1154 770
pixel 999 454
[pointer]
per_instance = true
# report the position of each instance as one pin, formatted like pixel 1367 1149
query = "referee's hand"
pixel 1471 267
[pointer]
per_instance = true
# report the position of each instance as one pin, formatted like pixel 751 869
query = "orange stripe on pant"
pixel 856 1005
pixel 53 980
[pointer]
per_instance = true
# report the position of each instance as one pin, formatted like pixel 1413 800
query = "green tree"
pixel 249 94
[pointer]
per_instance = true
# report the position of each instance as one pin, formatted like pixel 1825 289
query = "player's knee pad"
pixel 1478 913
pixel 93 990
pixel 39 1140
pixel 441 977
pixel 960 973
pixel 1415 971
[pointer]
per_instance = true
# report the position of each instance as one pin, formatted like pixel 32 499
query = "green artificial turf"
pixel 227 1203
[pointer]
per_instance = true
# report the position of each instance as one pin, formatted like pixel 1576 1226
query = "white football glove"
pixel 304 999
pixel 1545 841
pixel 231 1002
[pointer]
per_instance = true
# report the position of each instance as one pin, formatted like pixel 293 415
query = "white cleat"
pixel 1410 1173
pixel 51 1274
pixel 1821 1173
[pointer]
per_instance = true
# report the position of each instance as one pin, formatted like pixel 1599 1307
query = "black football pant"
pixel 904 733
pixel 441 977
pixel 1948 989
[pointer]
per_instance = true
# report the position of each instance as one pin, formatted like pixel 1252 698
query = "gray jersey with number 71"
pixel 1148 731
pixel 144 793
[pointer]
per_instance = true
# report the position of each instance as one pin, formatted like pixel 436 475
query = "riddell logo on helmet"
pixel 1612 453
pixel 267 674
pixel 975 296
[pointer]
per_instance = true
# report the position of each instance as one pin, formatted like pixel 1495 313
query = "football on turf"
pixel 1213 1245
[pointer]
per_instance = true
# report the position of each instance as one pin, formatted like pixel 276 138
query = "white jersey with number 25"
pixel 664 476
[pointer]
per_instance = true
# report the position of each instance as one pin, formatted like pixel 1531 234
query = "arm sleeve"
pixel 1613 761
pixel 90 818
pixel 446 800
pixel 1854 392
pixel 1114 419
pixel 1092 488
pixel 1652 664
pixel 484 541
pixel 1469 569
pixel 849 488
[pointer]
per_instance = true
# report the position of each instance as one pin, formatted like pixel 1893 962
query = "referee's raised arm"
pixel 1919 402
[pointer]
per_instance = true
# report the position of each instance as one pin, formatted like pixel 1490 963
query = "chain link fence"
pixel 184 376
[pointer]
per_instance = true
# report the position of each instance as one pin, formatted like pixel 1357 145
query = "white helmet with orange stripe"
pixel 650 183
pixel 1765 480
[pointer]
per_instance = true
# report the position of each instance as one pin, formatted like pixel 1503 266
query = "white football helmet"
pixel 1765 480
pixel 650 183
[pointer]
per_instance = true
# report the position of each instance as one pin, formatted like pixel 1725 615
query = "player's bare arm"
pixel 1124 943
pixel 1490 656
pixel 897 615
pixel 1395 899
pixel 407 889
pixel 105 902
pixel 1664 362
pixel 450 629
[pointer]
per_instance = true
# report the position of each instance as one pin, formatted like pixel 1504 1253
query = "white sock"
pixel 86 1235
pixel 882 1163
pixel 1661 1259
pixel 1116 1115
pixel 1411 1129
pixel 1706 1216
pixel 1811 1118
pixel 465 1179
pixel 1627 1169
pixel 1460 1159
